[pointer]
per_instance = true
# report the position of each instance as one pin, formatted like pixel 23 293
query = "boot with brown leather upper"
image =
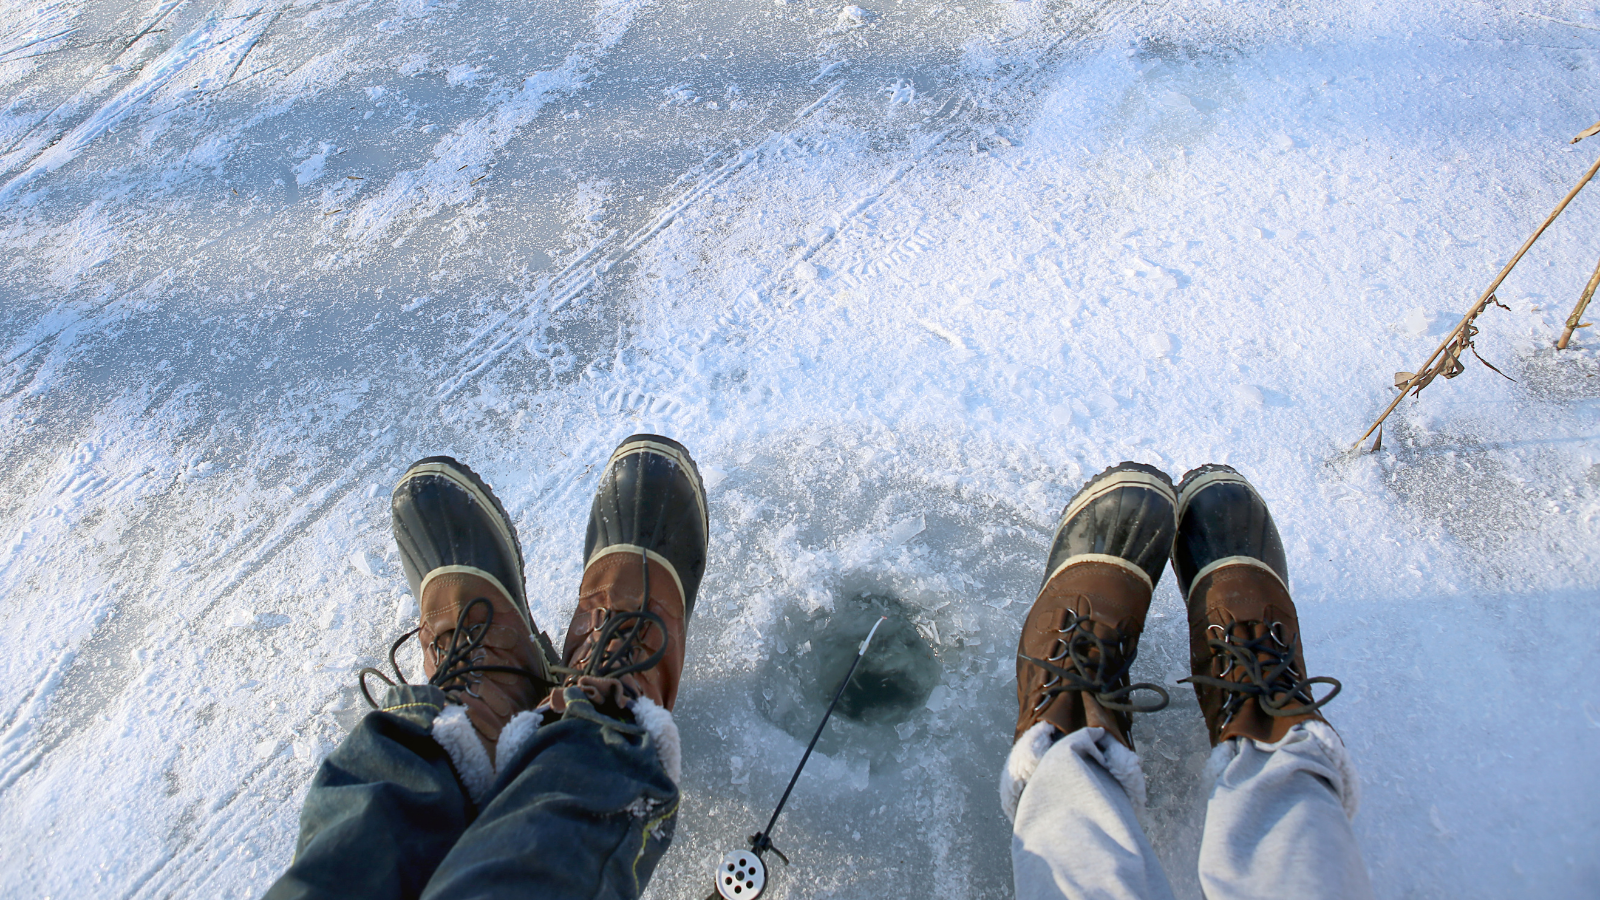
pixel 461 557
pixel 1248 665
pixel 645 553
pixel 1081 636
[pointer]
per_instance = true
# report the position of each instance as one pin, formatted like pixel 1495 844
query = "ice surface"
pixel 902 276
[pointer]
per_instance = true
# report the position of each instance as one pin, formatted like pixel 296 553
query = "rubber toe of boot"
pixel 1222 520
pixel 445 517
pixel 651 498
pixel 1122 516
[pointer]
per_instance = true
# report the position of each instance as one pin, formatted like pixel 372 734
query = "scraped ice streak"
pixel 218 28
pixel 902 279
pixel 33 29
pixel 460 157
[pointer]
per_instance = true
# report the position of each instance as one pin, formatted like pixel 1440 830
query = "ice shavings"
pixel 310 168
pixel 1270 191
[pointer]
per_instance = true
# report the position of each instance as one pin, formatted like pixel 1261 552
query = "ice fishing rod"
pixel 742 874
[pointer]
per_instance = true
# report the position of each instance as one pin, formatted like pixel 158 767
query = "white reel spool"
pixel 741 876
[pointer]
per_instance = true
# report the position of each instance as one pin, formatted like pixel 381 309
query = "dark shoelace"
pixel 1265 679
pixel 606 661
pixel 1099 677
pixel 457 662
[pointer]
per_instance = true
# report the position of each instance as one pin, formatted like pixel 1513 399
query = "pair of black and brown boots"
pixel 644 556
pixel 1080 638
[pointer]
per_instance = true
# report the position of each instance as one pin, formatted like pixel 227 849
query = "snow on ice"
pixel 902 276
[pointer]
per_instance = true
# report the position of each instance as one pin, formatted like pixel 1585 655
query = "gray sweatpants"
pixel 1277 822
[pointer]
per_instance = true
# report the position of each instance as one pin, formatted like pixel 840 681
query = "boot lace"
pixel 1262 668
pixel 1081 660
pixel 618 639
pixel 458 662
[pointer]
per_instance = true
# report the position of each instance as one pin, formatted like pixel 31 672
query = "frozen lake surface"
pixel 901 276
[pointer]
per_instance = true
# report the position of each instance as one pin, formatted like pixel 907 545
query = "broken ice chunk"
pixel 853 17
pixel 1416 321
pixel 905 530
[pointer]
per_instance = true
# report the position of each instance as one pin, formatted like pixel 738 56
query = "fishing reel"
pixel 741 876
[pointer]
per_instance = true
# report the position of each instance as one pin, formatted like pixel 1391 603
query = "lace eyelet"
pixel 1276 631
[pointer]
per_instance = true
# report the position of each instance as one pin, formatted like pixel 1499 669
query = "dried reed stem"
pixel 1466 320
pixel 1577 311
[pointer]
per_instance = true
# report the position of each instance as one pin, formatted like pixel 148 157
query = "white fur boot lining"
pixel 516 735
pixel 1094 743
pixel 454 732
pixel 658 722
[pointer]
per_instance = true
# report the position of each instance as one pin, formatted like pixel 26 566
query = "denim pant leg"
pixel 584 810
pixel 384 808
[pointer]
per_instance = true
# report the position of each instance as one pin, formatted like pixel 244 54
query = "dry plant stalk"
pixel 1577 311
pixel 1448 363
pixel 1588 289
pixel 1460 337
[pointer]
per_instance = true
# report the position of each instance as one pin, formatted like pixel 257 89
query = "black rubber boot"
pixel 1246 658
pixel 644 556
pixel 1080 638
pixel 1221 516
pixel 1124 512
pixel 651 498
pixel 464 565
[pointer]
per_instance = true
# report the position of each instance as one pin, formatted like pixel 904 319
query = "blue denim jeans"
pixel 583 810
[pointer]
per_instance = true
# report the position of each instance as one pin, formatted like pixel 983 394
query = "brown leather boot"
pixel 1244 635
pixel 461 557
pixel 1081 636
pixel 641 656
pixel 645 554
pixel 471 624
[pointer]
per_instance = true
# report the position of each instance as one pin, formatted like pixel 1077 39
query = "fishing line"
pixel 742 874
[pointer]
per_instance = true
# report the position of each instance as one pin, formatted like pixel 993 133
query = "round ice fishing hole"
pixel 894 678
